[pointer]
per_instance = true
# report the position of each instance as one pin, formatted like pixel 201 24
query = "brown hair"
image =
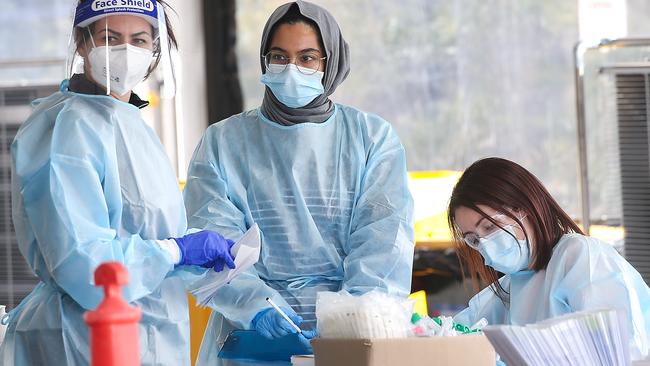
pixel 502 184
pixel 79 36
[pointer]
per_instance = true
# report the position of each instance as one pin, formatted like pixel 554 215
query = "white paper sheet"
pixel 246 252
pixel 581 338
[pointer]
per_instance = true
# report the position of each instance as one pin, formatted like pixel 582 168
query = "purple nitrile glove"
pixel 207 249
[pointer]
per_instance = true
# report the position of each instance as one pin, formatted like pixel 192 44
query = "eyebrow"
pixel 310 50
pixel 140 34
pixel 118 34
pixel 110 31
pixel 475 225
pixel 301 51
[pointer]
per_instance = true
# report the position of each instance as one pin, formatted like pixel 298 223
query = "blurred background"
pixel 542 83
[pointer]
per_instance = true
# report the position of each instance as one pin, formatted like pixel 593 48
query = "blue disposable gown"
pixel 331 201
pixel 583 274
pixel 92 183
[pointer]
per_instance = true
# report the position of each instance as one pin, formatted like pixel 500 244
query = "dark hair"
pixel 79 36
pixel 500 184
pixel 294 16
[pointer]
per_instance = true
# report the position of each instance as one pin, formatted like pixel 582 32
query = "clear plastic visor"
pixel 121 45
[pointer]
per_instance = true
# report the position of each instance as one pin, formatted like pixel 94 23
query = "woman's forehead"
pixel 127 23
pixel 467 218
pixel 295 37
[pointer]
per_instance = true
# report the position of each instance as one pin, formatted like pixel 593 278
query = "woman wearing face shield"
pixel 505 221
pixel 92 183
pixel 325 182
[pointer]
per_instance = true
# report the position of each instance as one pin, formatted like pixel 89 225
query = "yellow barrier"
pixel 198 322
pixel 431 191
pixel 609 234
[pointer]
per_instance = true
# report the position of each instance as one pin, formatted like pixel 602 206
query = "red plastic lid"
pixel 113 309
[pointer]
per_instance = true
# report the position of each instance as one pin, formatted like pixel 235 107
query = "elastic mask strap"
pixel 108 74
pixel 521 220
pixel 92 40
pixel 521 227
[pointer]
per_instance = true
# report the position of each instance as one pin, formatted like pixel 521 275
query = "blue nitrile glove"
pixel 305 342
pixel 309 333
pixel 207 249
pixel 270 324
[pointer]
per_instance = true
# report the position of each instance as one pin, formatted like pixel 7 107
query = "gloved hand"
pixel 207 249
pixel 309 333
pixel 270 324
pixel 305 342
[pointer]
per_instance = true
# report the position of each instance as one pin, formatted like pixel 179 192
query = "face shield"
pixel 119 43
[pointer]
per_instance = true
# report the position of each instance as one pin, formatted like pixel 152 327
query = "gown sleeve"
pixel 379 253
pixel 486 304
pixel 595 277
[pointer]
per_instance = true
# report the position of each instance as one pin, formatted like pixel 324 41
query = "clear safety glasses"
pixel 487 228
pixel 307 63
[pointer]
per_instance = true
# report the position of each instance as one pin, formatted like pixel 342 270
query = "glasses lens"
pixel 309 62
pixel 277 58
pixel 275 62
pixel 489 227
pixel 472 240
pixel 503 222
pixel 306 70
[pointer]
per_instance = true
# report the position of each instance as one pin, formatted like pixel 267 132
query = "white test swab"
pixel 285 316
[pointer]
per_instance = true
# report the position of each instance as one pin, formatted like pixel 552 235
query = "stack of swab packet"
pixel 581 338
pixel 372 315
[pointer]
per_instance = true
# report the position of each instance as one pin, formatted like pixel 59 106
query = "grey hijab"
pixel 337 67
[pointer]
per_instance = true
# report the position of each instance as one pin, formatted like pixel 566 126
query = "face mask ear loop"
pixel 521 226
pixel 108 64
pixel 90 35
pixel 92 39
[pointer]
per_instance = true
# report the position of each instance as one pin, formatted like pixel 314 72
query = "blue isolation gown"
pixel 583 274
pixel 332 203
pixel 92 183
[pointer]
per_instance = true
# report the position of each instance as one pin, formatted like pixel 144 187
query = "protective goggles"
pixel 487 228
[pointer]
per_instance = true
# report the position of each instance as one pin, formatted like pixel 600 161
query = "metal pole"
pixel 579 51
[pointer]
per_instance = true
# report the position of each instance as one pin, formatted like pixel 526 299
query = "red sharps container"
pixel 114 324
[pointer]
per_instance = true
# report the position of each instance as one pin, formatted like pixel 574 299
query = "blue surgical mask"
pixel 503 252
pixel 293 88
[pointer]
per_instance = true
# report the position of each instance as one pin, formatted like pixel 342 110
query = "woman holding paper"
pixel 505 221
pixel 325 182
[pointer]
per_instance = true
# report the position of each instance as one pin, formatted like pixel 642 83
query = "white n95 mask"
pixel 128 65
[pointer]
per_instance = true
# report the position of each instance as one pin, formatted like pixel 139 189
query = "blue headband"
pixel 92 10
